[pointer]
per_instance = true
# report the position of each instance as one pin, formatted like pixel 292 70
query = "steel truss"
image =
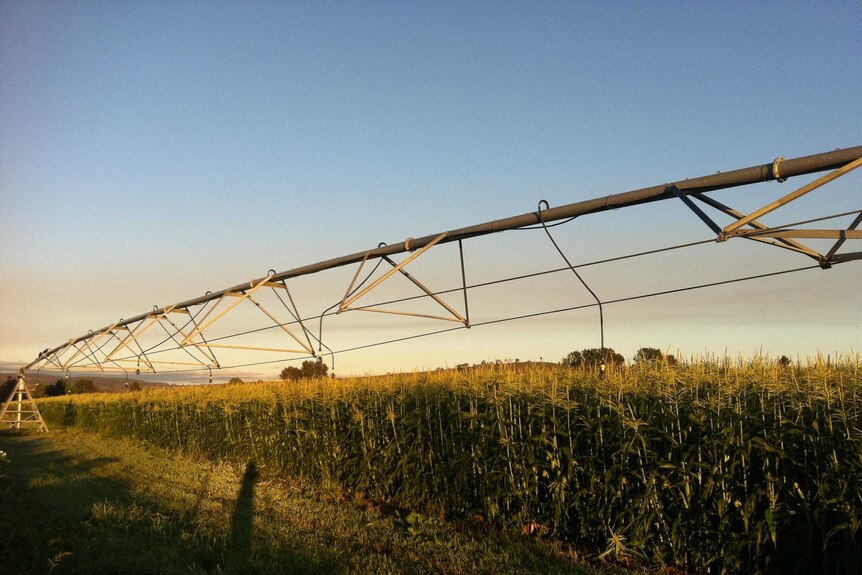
pixel 119 346
pixel 19 410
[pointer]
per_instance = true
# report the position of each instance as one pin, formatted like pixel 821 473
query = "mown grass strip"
pixel 75 502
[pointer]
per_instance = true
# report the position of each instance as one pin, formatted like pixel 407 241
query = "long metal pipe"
pixel 744 176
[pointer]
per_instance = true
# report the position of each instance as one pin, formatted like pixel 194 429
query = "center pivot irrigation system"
pixel 186 341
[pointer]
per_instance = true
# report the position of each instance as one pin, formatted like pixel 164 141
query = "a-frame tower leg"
pixel 19 408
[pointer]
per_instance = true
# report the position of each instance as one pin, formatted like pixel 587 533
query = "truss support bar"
pixel 133 335
pixel 726 179
pixel 421 286
pixel 407 313
pixel 398 267
pixel 696 209
pixel 90 368
pixel 794 195
pixel 840 235
pixel 248 347
pixel 166 363
pixel 848 257
pixel 353 281
pixel 92 353
pixel 79 351
pixel 784 242
pixel 464 285
pixel 238 300
pixel 296 316
pixel 279 324
pixel 209 355
pixel 840 242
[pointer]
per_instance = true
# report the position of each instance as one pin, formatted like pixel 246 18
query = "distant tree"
pixel 647 354
pixel 783 361
pixel 314 369
pixel 290 373
pixel 56 389
pixel 135 386
pixel 310 370
pixel 652 354
pixel 235 380
pixel 574 359
pixel 7 387
pixel 593 358
pixel 37 391
pixel 83 386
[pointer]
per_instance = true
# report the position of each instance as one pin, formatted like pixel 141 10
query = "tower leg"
pixel 19 409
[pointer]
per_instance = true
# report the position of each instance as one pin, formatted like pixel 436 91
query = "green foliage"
pixel 710 467
pixel 592 358
pixel 7 387
pixel 83 386
pixel 309 370
pixel 654 355
pixel 58 388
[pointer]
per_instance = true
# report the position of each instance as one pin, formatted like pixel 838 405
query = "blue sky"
pixel 152 151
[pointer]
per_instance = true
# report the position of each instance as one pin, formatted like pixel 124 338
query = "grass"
pixel 77 502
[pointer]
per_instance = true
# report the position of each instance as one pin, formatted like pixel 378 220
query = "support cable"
pixel 464 285
pixel 185 325
pixel 294 313
pixel 802 223
pixel 308 335
pixel 527 316
pixel 111 337
pixel 335 305
pixel 329 312
pixel 577 275
pixel 184 348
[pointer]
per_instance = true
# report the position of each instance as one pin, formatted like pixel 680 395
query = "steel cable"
pixel 521 317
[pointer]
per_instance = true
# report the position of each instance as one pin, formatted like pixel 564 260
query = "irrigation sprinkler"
pixel 202 312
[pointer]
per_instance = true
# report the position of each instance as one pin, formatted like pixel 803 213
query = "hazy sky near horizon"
pixel 152 151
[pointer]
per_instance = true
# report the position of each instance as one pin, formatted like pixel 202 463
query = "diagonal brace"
pixel 785 243
pixel 696 209
pixel 346 304
pixel 831 253
pixel 794 195
pixel 237 301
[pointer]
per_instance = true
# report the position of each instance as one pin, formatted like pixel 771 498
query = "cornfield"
pixel 721 466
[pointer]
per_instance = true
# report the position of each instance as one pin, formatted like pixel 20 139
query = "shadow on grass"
pixel 242 519
pixel 66 519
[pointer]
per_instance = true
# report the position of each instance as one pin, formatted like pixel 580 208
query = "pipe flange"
pixel 775 171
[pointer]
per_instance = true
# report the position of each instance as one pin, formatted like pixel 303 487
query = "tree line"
pixel 594 357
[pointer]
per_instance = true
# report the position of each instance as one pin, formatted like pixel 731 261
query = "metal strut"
pixel 350 297
pixel 19 409
pixel 577 275
pixel 69 355
pixel 779 236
